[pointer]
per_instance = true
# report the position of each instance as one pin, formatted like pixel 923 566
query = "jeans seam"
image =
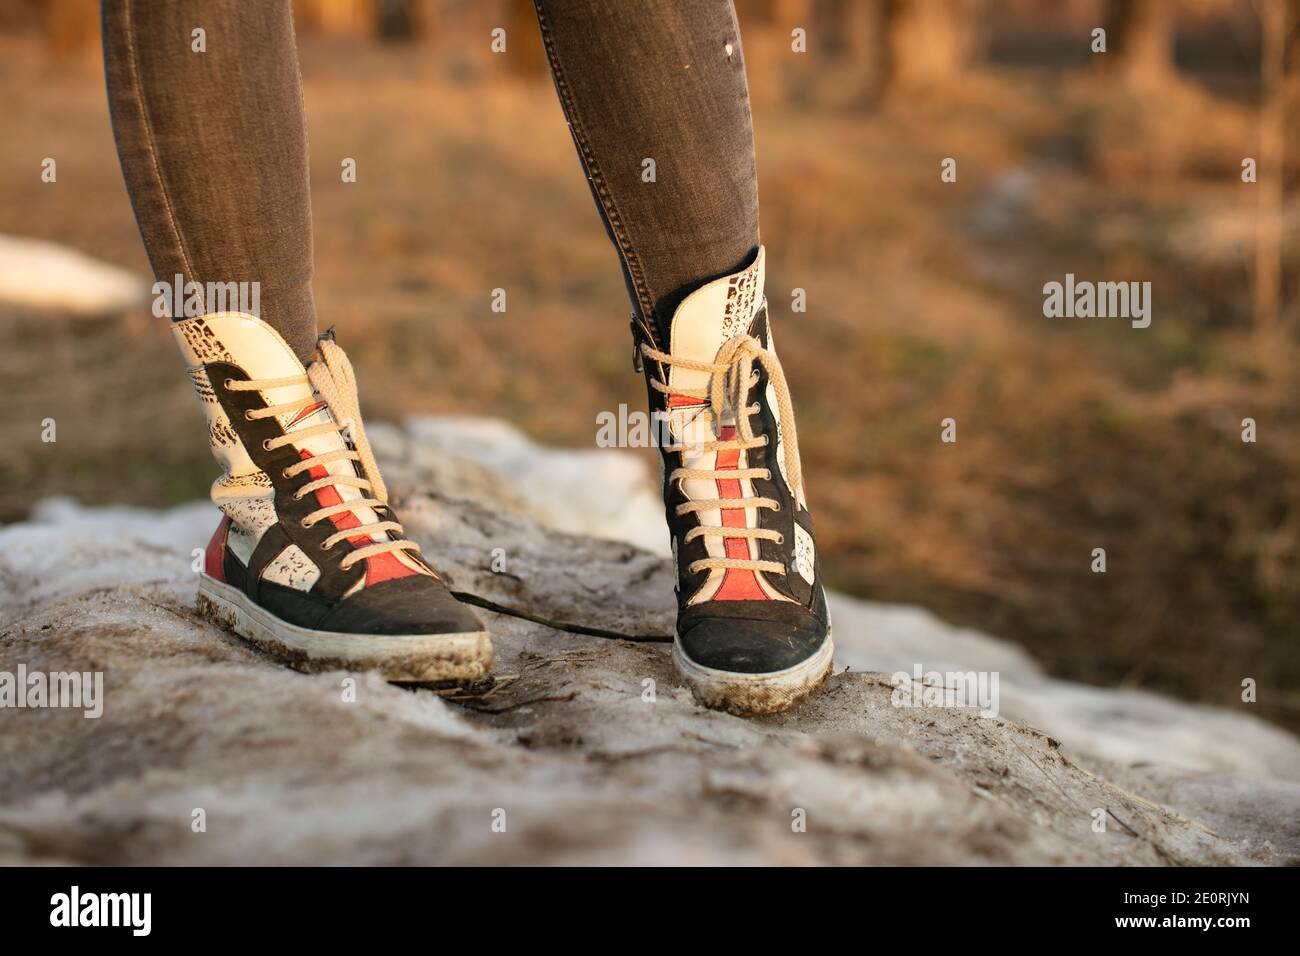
pixel 149 143
pixel 592 168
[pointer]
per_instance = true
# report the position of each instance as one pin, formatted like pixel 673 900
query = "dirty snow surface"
pixel 587 749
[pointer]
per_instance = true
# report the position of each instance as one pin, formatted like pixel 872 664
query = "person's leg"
pixel 662 82
pixel 309 561
pixel 657 101
pixel 213 147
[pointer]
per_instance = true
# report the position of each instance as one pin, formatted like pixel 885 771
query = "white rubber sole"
pixel 410 658
pixel 749 695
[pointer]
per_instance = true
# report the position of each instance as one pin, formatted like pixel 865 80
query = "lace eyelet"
pixel 248 414
pixel 767 440
pixel 227 383
pixel 305 523
pixel 266 444
pixel 780 539
pixel 778 507
pixel 284 473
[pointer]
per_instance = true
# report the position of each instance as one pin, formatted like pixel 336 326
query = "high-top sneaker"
pixel 753 631
pixel 309 562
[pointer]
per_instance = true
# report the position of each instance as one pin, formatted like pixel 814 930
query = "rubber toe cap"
pixel 411 605
pixel 728 641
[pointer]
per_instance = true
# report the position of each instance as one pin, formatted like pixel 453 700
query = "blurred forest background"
pixel 924 298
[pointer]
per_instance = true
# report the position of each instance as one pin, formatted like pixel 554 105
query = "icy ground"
pixel 587 748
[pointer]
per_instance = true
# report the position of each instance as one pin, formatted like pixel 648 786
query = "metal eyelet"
pixel 305 523
pixel 227 383
pixel 767 474
pixel 780 539
pixel 248 414
pixel 266 444
pixel 778 506
pixel 326 547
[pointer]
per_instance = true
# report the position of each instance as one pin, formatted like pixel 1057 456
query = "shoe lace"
pixel 332 378
pixel 731 376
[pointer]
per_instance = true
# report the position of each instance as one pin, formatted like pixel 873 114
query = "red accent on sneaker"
pixel 381 567
pixel 311 409
pixel 737 584
pixel 214 558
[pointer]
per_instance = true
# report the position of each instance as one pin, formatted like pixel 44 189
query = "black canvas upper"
pixel 745 636
pixel 417 604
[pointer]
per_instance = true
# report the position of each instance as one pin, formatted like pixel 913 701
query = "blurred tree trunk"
pixel 429 16
pixel 850 38
pixel 524 51
pixel 395 20
pixel 1277 19
pixel 831 35
pixel 69 26
pixel 926 41
pixel 897 44
pixel 792 12
pixel 761 13
pixel 335 17
pixel 1140 40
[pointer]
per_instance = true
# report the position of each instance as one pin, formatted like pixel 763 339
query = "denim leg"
pixel 660 80
pixel 213 147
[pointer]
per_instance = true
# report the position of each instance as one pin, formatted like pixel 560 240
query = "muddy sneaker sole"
pixel 402 658
pixel 751 695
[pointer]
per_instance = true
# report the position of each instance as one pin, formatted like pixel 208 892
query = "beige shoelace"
pixel 732 375
pixel 333 380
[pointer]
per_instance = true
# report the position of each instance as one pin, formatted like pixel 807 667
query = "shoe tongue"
pixel 709 317
pixel 258 350
pixel 253 346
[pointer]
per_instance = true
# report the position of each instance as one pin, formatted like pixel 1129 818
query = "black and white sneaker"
pixel 309 562
pixel 753 631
